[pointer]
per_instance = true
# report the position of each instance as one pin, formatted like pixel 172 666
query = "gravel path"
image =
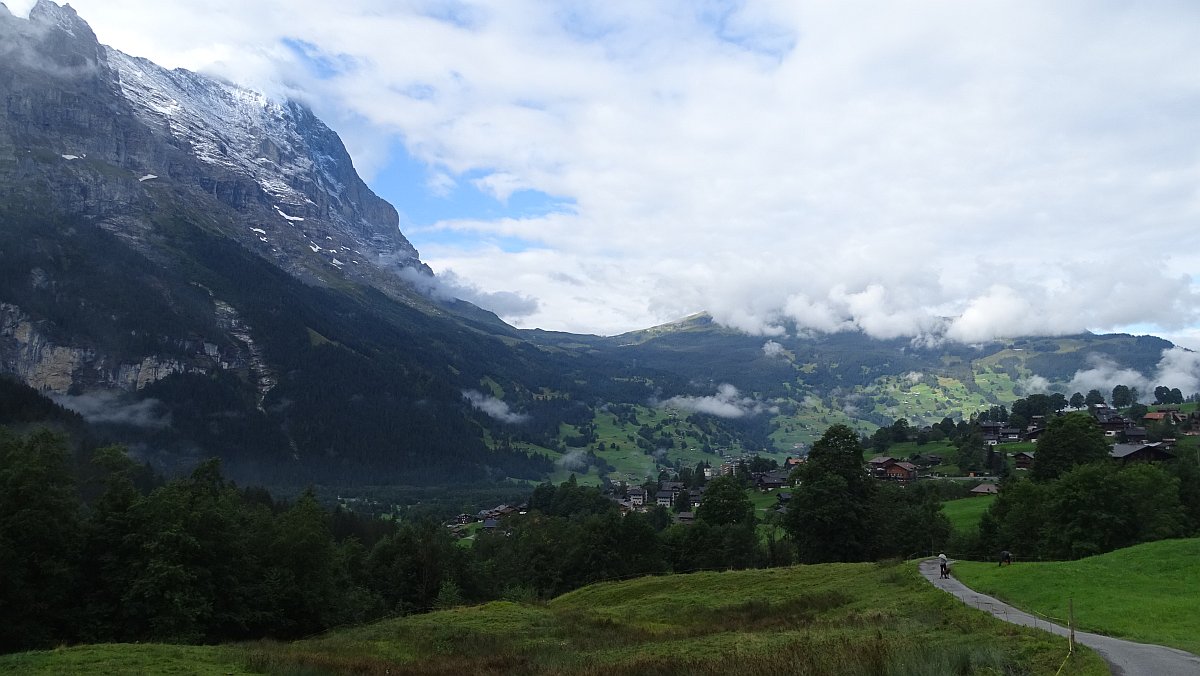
pixel 1126 658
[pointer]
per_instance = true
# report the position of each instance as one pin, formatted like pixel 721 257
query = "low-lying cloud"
pixel 1178 368
pixel 447 286
pixel 116 408
pixel 726 403
pixel 493 407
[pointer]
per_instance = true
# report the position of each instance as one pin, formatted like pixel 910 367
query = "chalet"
pixel 769 481
pixel 901 471
pixel 1022 459
pixel 1033 434
pixel 463 519
pixel 1140 452
pixel 783 497
pixel 637 496
pixel 664 498
pixel 990 431
pixel 685 517
pixel 1135 435
pixel 878 465
pixel 490 524
pixel 985 489
pixel 673 486
pixel 1009 434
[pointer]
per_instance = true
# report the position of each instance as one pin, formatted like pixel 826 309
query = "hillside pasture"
pixel 1148 593
pixel 822 619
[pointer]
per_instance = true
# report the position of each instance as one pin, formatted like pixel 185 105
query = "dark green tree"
pixel 1122 396
pixel 725 503
pixel 1077 400
pixel 1093 397
pixel 829 515
pixel 1069 440
pixel 39 540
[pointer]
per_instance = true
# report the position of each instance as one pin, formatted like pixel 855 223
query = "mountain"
pixel 198 270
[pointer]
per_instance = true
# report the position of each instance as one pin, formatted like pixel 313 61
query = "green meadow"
pixel 1148 593
pixel 965 513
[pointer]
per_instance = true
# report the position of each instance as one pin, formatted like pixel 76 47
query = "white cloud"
pixel 726 403
pixel 1178 368
pixel 930 169
pixel 773 349
pixel 494 407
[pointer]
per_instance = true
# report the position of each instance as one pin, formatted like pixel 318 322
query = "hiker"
pixel 1005 558
pixel 945 563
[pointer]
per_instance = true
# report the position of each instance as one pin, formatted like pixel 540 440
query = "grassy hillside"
pixel 965 513
pixel 1147 593
pixel 839 618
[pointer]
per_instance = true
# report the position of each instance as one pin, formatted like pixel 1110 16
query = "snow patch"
pixel 290 218
pixel 148 177
pixel 70 157
pixel 258 230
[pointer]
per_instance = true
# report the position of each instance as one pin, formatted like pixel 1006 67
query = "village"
pixel 680 493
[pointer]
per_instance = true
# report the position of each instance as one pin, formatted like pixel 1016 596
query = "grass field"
pixel 965 513
pixel 825 619
pixel 1148 593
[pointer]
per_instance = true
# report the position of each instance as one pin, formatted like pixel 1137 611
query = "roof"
pixel 1126 450
pixel 906 466
pixel 1154 415
pixel 986 489
pixel 881 460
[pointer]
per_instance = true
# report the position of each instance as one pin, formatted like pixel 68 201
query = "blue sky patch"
pixel 405 182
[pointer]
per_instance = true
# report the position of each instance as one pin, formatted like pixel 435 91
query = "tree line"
pixel 108 552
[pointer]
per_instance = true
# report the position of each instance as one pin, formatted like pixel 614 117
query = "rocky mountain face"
pixel 118 141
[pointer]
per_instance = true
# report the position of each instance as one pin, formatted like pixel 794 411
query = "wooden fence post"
pixel 1071 623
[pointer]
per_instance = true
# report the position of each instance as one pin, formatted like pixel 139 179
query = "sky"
pixel 930 169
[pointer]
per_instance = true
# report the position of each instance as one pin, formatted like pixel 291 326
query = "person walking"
pixel 945 563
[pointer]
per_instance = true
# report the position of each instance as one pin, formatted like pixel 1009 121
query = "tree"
pixel 39 539
pixel 829 515
pixel 1122 396
pixel 1093 397
pixel 1069 440
pixel 725 503
pixel 1077 400
pixel 683 501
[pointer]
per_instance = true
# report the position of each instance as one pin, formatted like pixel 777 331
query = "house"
pixel 490 524
pixel 901 471
pixel 463 519
pixel 1009 434
pixel 783 497
pixel 636 496
pixel 685 517
pixel 664 498
pixel 1033 434
pixel 673 486
pixel 1135 434
pixel 878 465
pixel 769 481
pixel 985 489
pixel 1022 459
pixel 696 496
pixel 1140 452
